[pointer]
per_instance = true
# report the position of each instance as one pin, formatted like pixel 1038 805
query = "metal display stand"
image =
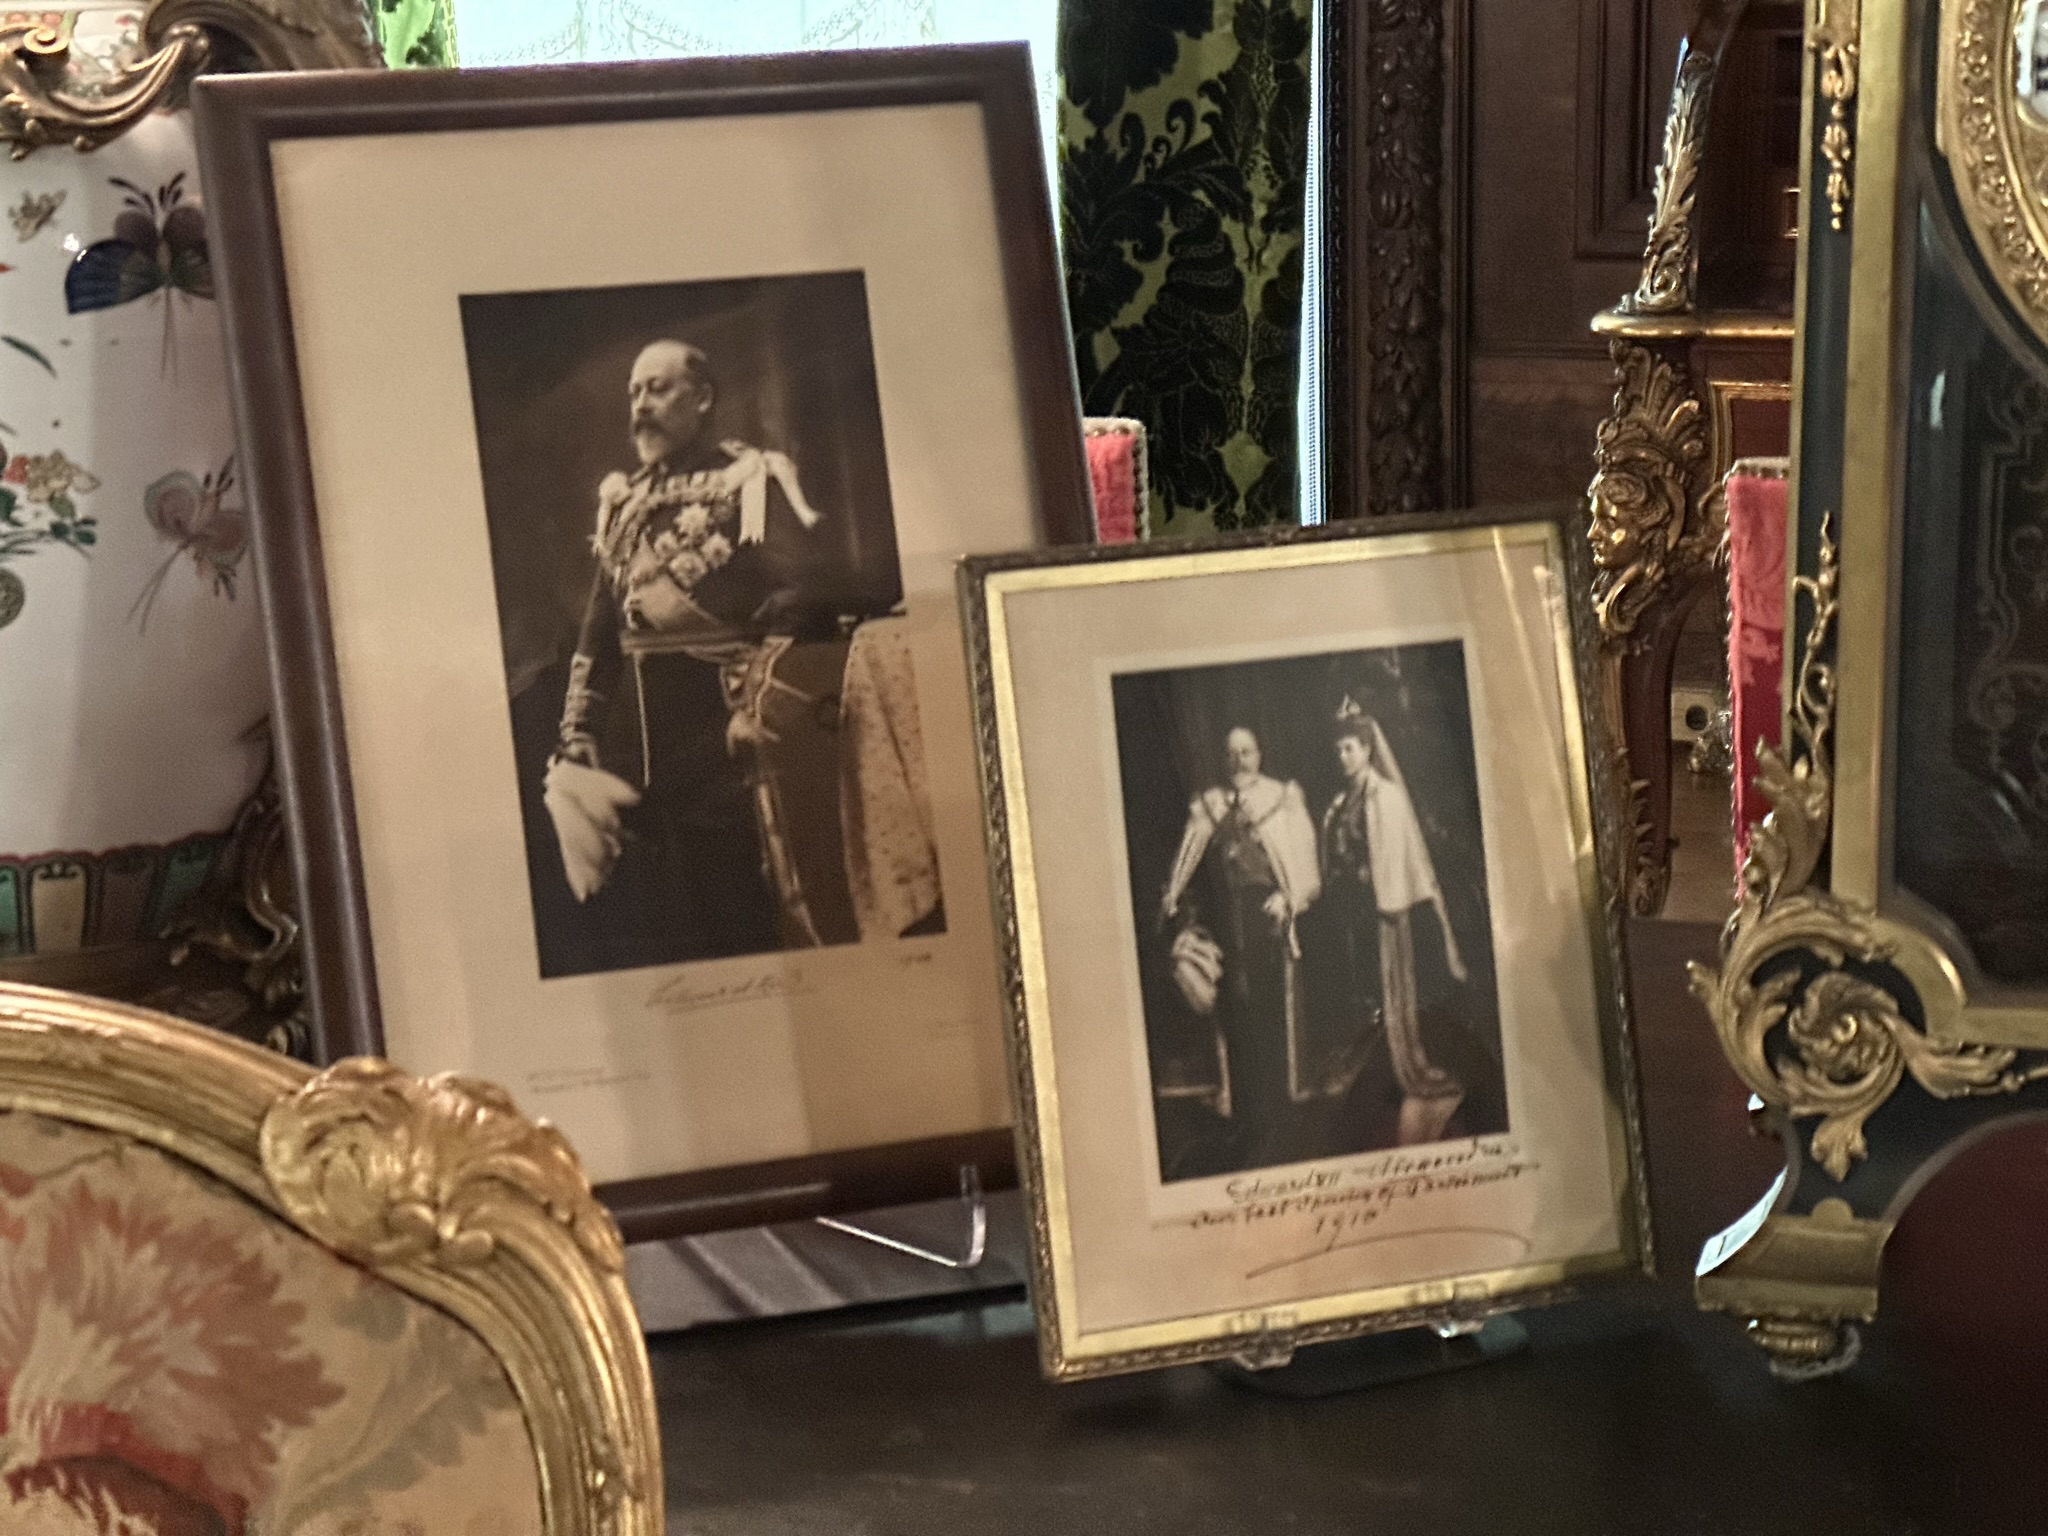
pixel 1377 1359
pixel 975 1205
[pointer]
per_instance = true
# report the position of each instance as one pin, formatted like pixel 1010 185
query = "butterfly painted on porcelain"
pixel 159 243
pixel 158 246
pixel 34 211
pixel 195 515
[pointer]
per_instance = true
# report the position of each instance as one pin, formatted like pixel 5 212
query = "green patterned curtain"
pixel 416 33
pixel 1183 167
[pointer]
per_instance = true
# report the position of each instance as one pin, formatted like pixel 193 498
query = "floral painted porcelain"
pixel 132 667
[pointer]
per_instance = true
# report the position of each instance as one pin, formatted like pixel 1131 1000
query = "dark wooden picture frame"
pixel 239 121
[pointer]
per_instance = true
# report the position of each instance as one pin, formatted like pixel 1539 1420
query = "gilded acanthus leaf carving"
pixel 1654 460
pixel 278 34
pixel 1671 259
pixel 384 1167
pixel 1786 954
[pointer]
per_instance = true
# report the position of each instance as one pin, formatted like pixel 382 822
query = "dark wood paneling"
pixel 1532 421
pixel 1563 134
pixel 1627 50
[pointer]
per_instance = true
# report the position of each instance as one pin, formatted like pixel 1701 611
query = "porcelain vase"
pixel 132 669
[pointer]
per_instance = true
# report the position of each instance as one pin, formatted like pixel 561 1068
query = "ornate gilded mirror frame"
pixel 1883 985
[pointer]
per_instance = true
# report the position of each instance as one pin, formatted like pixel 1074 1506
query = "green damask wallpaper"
pixel 417 33
pixel 1183 167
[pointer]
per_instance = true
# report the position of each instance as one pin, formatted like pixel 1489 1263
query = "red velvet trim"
pixel 1756 635
pixel 1113 472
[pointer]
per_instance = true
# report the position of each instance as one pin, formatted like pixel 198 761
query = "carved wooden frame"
pixel 1396 306
pixel 441 1187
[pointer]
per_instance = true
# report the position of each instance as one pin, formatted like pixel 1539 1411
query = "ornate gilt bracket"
pixel 43 102
pixel 1796 955
pixel 1652 532
pixel 1655 461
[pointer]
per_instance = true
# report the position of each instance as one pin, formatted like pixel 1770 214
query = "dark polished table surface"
pixel 1635 1414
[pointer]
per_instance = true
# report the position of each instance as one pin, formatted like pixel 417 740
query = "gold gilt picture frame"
pixel 1313 974
pixel 1883 984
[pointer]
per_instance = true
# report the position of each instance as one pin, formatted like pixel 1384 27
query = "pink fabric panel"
pixel 1116 469
pixel 1756 634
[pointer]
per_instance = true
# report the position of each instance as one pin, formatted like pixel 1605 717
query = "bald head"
pixel 670 393
pixel 1241 747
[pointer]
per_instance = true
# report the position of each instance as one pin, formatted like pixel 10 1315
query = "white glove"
pixel 587 805
pixel 1197 969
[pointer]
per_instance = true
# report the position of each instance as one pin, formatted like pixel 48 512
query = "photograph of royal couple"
pixel 714 707
pixel 1308 883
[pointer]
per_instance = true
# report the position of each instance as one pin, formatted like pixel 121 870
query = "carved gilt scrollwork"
pixel 1671 259
pixel 1655 459
pixel 384 1167
pixel 1651 530
pixel 1787 954
pixel 44 101
pixel 1834 38
pixel 242 915
pixel 36 108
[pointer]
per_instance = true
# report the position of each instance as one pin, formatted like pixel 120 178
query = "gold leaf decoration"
pixel 1785 954
pixel 1655 454
pixel 386 1168
pixel 1836 38
pixel 1671 258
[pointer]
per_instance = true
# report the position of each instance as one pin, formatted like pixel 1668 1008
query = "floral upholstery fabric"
pixel 175 1361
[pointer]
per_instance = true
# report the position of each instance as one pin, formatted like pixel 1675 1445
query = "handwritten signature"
pixel 681 995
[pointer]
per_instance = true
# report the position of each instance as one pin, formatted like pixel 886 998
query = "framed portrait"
pixel 612 433
pixel 1314 988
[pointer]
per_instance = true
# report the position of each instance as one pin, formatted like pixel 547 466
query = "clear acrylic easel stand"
pixel 1273 1368
pixel 975 1206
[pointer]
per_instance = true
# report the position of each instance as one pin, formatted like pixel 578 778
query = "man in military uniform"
pixel 691 687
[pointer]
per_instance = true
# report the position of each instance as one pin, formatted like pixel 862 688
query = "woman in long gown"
pixel 1375 860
